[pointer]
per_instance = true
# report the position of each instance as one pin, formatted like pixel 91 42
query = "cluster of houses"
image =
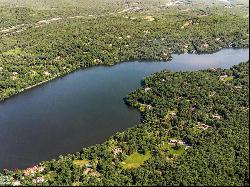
pixel 45 22
pixel 32 171
pixel 16 183
pixel 176 3
pixel 173 142
pixel 48 21
pixel 7 181
pixel 73 17
pixel 28 172
pixel 14 29
pixel 131 10
pixel 244 108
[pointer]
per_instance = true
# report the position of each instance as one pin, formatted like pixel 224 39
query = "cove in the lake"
pixel 84 108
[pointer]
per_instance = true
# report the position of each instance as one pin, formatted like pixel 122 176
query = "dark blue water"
pixel 84 108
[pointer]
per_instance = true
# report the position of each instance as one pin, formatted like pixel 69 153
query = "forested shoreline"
pixel 55 47
pixel 194 132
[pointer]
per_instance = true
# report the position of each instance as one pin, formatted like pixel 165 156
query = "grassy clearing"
pixel 196 130
pixel 16 51
pixel 81 163
pixel 170 114
pixel 135 160
pixel 172 150
pixel 51 175
pixel 227 79
pixel 77 184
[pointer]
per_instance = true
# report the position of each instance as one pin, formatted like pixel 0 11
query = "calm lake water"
pixel 84 108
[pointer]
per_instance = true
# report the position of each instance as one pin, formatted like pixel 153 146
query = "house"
pixel 212 69
pixel 88 165
pixel 223 77
pixel 180 142
pixel 13 78
pixel 205 45
pixel 38 180
pixel 146 32
pixel 212 94
pixel 47 73
pixel 32 171
pixel 187 147
pixel 238 87
pixel 173 142
pixel 94 174
pixel 173 114
pixel 149 18
pixel 149 107
pixel 16 183
pixel 193 108
pixel 217 116
pixel 116 151
pixel 14 73
pixel 88 170
pixel 203 126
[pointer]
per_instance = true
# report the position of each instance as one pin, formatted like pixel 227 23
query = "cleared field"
pixel 135 160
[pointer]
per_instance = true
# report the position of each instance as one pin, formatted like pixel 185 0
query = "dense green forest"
pixel 40 45
pixel 194 131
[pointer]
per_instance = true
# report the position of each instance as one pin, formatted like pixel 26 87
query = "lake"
pixel 84 108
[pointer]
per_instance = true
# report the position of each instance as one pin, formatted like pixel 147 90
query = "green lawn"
pixel 172 151
pixel 77 184
pixel 81 163
pixel 16 51
pixel 228 79
pixel 135 160
pixel 169 114
pixel 196 130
